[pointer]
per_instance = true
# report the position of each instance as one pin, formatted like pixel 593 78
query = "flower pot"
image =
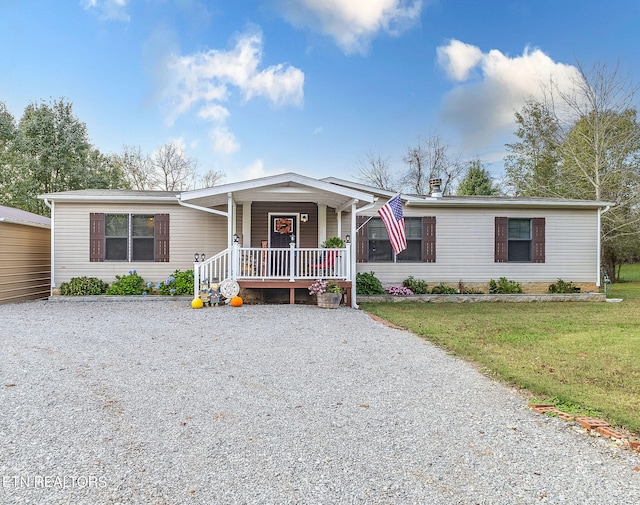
pixel 329 300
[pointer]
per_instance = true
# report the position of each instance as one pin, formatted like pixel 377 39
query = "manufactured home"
pixel 267 234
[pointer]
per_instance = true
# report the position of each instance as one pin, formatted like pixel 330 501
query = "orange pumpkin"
pixel 236 301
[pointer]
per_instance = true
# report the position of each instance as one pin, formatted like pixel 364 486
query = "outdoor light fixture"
pixel 293 238
pixel 348 237
pixel 236 238
pixel 195 257
pixel 202 257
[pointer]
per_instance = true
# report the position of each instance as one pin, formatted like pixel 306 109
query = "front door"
pixel 282 227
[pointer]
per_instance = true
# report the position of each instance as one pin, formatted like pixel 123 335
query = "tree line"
pixel 48 150
pixel 582 143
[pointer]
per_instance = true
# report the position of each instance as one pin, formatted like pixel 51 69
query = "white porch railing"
pixel 286 263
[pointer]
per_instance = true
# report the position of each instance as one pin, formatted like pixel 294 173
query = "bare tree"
pixel 137 168
pixel 594 148
pixel 211 178
pixel 374 170
pixel 173 169
pixel 432 158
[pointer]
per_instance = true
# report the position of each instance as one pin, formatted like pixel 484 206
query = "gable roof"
pixel 17 216
pixel 290 186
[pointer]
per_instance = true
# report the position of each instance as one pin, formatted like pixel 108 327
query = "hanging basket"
pixel 329 300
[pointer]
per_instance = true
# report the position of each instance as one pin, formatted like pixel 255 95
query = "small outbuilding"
pixel 25 255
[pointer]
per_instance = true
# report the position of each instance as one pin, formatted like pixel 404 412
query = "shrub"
pixel 368 284
pixel 178 283
pixel 563 287
pixel 398 291
pixel 131 284
pixel 419 287
pixel 83 286
pixel 443 289
pixel 504 287
pixel 333 243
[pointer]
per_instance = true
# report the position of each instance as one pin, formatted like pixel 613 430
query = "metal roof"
pixel 12 215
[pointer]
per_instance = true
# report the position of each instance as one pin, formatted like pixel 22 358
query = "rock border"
pixel 458 298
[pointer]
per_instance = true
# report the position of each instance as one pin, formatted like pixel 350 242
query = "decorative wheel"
pixel 229 288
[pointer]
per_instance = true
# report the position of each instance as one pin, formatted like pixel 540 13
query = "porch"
pixel 276 268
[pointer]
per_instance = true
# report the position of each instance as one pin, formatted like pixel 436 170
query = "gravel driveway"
pixel 157 403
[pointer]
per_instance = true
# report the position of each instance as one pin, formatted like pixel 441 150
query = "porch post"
pixel 246 224
pixel 322 223
pixel 230 220
pixel 235 260
pixel 352 256
pixel 196 280
pixel 292 259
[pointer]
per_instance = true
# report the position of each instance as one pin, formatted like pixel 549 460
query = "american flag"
pixel 391 214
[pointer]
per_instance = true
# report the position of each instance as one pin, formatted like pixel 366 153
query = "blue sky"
pixel 254 88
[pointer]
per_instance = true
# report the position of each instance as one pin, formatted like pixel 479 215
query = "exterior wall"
pixel 190 231
pixel 465 248
pixel 25 262
pixel 260 226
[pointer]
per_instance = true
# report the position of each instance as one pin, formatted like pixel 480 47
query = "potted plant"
pixel 328 293
pixel 333 243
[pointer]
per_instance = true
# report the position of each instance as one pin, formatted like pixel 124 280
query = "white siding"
pixel 190 231
pixel 465 248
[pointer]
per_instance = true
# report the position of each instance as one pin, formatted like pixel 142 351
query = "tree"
pixel 375 171
pixel 531 168
pixel 49 151
pixel 173 170
pixel 52 149
pixel 7 153
pixel 211 178
pixel 136 168
pixel 477 181
pixel 593 140
pixel 432 158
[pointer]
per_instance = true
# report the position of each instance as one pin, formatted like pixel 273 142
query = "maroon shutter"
pixel 96 236
pixel 429 239
pixel 538 240
pixel 362 240
pixel 501 238
pixel 161 233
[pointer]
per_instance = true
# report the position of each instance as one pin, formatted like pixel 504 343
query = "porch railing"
pixel 285 263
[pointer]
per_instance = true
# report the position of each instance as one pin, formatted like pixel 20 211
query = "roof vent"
pixel 435 184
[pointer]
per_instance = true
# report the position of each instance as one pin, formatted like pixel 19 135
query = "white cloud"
pixel 352 23
pixel 213 112
pixel 482 106
pixel 208 78
pixel 458 59
pixel 223 141
pixel 115 10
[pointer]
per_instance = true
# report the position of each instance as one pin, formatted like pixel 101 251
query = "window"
pixel 116 237
pixel 519 246
pixel 142 237
pixel 519 240
pixel 373 241
pixel 129 237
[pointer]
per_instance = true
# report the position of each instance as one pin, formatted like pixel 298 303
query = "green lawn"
pixel 584 357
